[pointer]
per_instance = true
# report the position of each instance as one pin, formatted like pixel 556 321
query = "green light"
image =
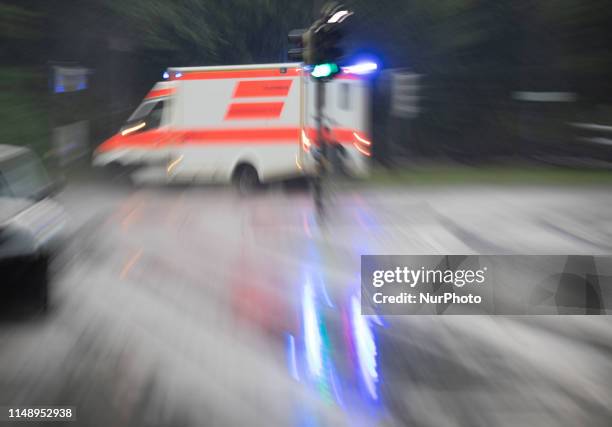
pixel 324 70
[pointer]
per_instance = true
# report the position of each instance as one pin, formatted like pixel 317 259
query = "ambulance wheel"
pixel 246 179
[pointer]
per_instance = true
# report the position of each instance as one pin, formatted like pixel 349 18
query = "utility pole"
pixel 319 48
pixel 322 159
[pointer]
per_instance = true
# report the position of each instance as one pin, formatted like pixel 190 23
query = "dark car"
pixel 31 225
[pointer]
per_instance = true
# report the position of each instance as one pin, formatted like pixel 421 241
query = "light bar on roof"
pixel 361 68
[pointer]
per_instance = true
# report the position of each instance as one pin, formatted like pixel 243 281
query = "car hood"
pixel 9 207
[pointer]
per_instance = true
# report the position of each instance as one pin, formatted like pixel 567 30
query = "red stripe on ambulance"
pixel 159 93
pixel 238 74
pixel 265 135
pixel 254 110
pixel 262 88
pixel 162 139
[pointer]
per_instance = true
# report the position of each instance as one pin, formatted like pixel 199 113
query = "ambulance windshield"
pixel 145 110
pixel 149 113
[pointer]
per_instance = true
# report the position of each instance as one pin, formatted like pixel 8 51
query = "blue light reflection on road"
pixel 334 352
pixel 365 346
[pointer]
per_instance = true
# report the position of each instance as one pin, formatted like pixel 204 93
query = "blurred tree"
pixel 22 111
pixel 475 54
pixel 20 29
pixel 207 32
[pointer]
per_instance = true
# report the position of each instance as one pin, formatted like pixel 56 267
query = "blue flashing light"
pixel 178 75
pixel 361 68
pixel 166 75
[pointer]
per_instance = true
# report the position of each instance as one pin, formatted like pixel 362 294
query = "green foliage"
pixel 495 175
pixel 18 23
pixel 199 32
pixel 476 53
pixel 24 118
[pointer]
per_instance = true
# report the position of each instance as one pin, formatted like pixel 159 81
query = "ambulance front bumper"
pixel 130 157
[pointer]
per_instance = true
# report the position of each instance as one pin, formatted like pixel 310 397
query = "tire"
pixel 39 284
pixel 246 179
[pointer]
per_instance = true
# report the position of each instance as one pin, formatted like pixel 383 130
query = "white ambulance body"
pixel 253 122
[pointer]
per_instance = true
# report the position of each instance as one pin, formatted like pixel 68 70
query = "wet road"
pixel 194 307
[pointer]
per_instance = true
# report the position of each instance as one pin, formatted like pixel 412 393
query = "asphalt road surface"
pixel 192 306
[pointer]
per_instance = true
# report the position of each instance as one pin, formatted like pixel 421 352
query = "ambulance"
pixel 246 125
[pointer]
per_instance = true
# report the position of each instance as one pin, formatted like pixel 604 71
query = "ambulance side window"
pixel 344 98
